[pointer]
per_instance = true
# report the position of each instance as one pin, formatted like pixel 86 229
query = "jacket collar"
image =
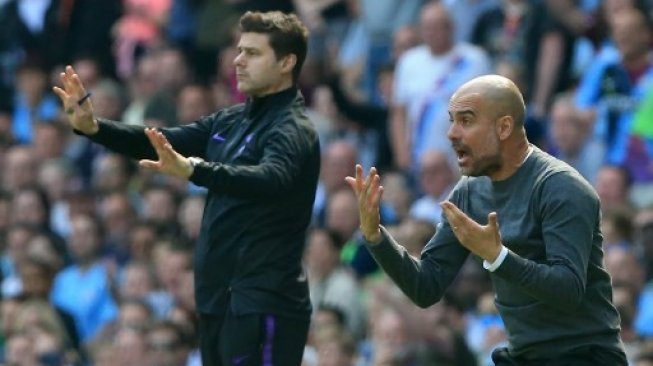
pixel 256 105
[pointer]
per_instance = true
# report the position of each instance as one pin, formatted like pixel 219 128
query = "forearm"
pixel 399 138
pixel 548 67
pixel 555 284
pixel 128 140
pixel 410 275
pixel 264 180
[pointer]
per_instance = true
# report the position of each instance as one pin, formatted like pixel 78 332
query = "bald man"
pixel 532 220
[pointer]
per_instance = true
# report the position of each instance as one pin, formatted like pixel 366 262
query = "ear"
pixel 288 63
pixel 505 125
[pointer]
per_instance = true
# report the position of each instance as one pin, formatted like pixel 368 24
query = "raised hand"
pixel 170 161
pixel 482 240
pixel 368 192
pixel 76 102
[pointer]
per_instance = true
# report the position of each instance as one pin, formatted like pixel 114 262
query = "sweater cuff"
pixel 202 173
pixel 498 261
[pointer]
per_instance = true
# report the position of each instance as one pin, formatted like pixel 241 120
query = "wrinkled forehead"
pixel 465 102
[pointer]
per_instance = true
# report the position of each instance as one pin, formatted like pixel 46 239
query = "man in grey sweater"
pixel 532 220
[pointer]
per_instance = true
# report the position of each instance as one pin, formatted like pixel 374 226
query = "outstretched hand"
pixel 368 193
pixel 76 102
pixel 170 162
pixel 482 240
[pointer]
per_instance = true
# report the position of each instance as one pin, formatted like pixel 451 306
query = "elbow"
pixel 572 298
pixel 425 301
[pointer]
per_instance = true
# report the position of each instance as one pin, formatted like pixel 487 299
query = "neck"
pixel 282 85
pixel 441 50
pixel 514 156
pixel 637 63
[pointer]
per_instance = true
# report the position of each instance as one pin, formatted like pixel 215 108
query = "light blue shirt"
pixel 87 297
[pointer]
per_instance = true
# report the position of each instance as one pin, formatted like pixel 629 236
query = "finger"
pixel 370 178
pixel 165 145
pixel 376 197
pixel 79 85
pixel 151 135
pixel 67 78
pixel 352 183
pixel 373 191
pixel 451 217
pixel 150 164
pixel 359 177
pixel 60 93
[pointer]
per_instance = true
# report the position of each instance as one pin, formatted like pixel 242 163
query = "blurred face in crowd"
pixel 566 129
pixel 138 282
pixel 165 347
pixel 117 213
pixel 258 70
pixel 623 267
pixel 84 239
pixel 342 213
pixel 190 216
pixel 172 69
pixel 49 141
pixel 36 280
pixel 339 161
pixel 404 39
pixel 27 207
pixel 141 241
pixel 611 186
pixel 435 173
pixel 631 34
pixel 130 347
pixel 436 28
pixel 32 83
pixel 19 168
pixel 321 256
pixel 160 206
pixel 192 104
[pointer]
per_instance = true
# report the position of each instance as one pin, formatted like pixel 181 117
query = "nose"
pixel 453 133
pixel 238 60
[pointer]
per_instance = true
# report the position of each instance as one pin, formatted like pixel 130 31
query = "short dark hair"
pixel 286 32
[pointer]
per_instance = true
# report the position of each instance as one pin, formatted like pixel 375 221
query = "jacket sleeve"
pixel 131 141
pixel 570 214
pixel 286 149
pixel 423 280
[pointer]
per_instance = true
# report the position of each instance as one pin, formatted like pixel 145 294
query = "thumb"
pixel 352 183
pixel 492 221
pixel 150 164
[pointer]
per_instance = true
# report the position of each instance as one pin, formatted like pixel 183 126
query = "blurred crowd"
pixel 96 254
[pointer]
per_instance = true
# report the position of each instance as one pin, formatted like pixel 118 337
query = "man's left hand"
pixel 482 240
pixel 170 162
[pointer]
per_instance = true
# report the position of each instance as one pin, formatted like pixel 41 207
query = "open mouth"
pixel 462 154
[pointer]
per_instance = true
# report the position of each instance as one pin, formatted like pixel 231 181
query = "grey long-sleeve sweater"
pixel 551 290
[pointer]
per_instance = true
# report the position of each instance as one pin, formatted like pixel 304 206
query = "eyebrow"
pixel 247 48
pixel 463 112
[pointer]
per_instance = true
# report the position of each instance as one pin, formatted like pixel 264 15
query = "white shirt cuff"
pixel 497 262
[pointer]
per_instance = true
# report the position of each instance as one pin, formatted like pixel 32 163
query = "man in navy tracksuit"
pixel 260 163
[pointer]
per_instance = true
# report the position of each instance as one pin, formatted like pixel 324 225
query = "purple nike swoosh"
pixel 239 359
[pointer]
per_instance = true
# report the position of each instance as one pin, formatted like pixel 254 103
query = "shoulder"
pixel 414 55
pixel 556 179
pixel 472 53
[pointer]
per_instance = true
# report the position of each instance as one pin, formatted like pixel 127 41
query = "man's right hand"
pixel 368 192
pixel 80 115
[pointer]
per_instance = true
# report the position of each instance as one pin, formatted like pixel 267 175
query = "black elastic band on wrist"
pixel 83 99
